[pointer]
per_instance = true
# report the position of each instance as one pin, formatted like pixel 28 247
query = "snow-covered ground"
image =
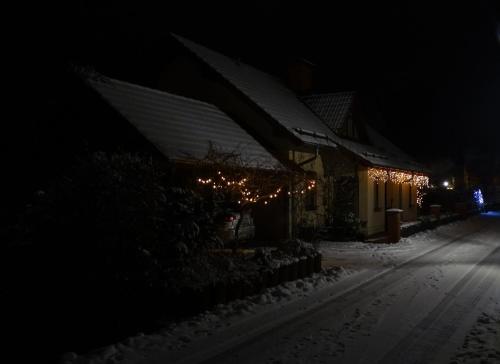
pixel 482 343
pixel 415 301
pixel 359 255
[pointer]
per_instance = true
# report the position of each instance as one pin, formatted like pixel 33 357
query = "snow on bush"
pixel 298 248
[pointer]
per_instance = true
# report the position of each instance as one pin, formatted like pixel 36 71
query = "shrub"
pixel 298 248
pixel 118 218
pixel 343 226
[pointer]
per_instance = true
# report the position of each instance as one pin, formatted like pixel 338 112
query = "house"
pixel 386 177
pixel 185 131
pixel 359 170
pixel 268 110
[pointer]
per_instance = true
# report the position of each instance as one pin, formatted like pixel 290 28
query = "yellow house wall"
pixel 402 201
pixel 311 218
pixel 410 211
pixel 372 220
pixel 377 216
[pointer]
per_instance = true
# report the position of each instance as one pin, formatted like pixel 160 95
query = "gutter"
pixel 316 154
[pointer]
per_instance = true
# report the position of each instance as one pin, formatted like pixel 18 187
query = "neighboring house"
pixel 268 110
pixel 184 130
pixel 386 176
pixel 326 137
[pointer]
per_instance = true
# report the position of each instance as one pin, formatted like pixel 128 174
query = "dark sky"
pixel 429 72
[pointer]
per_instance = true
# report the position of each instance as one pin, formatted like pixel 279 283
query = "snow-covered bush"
pixel 263 256
pixel 298 248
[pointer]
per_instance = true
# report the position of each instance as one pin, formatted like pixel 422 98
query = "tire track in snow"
pixel 424 341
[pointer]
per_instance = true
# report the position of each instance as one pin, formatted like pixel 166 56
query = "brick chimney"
pixel 300 74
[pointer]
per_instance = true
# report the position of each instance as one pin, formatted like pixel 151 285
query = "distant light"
pixel 446 183
pixel 478 197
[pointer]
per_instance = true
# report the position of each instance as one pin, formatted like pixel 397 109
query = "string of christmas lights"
pixel 389 175
pixel 247 196
pixel 420 197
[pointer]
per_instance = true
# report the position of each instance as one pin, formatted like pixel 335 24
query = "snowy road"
pixel 419 312
pixel 434 298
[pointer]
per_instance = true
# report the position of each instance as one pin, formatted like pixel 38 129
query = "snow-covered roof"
pixel 181 128
pixel 379 158
pixel 332 109
pixel 269 94
pixel 382 143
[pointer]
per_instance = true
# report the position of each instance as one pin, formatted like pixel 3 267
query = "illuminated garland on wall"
pixel 246 195
pixel 388 175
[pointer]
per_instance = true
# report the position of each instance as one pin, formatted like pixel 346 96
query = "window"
pixel 400 196
pixel 376 196
pixel 410 202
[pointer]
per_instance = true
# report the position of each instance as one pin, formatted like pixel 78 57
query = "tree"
pixel 249 182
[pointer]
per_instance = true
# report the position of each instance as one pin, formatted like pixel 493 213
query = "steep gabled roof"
pixel 332 109
pixel 179 127
pixel 268 93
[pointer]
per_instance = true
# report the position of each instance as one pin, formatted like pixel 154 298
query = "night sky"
pixel 429 74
